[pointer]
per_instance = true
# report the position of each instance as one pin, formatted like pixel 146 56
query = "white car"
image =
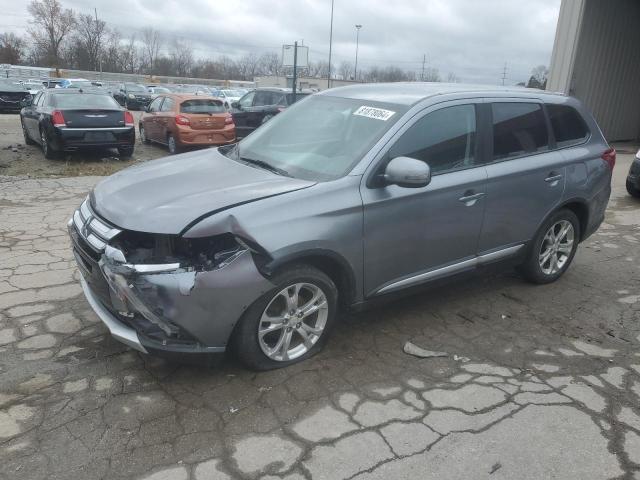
pixel 229 96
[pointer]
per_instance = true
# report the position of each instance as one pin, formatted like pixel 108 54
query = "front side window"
pixel 167 105
pixel 263 99
pixel 155 105
pixel 320 138
pixel 444 139
pixel 567 125
pixel 247 100
pixel 518 129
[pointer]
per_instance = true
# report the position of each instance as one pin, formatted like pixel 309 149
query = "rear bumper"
pixel 70 139
pixel 190 137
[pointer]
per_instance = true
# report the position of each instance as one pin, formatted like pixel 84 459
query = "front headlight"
pixel 131 95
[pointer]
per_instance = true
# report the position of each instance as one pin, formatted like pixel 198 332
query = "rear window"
pixel 567 124
pixel 83 100
pixel 518 129
pixel 206 105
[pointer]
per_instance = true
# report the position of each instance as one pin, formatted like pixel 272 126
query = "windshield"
pixel 202 106
pixel 232 93
pixel 80 84
pixel 85 101
pixel 320 138
pixel 134 87
pixel 161 90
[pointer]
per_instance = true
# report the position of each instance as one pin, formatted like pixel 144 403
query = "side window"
pixel 568 126
pixel 168 105
pixel 155 105
pixel 36 99
pixel 262 99
pixel 444 139
pixel 247 100
pixel 518 129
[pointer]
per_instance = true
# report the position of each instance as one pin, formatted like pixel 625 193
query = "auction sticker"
pixel 372 112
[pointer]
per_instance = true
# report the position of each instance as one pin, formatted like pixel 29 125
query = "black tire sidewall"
pixel 632 190
pixel 531 268
pixel 244 341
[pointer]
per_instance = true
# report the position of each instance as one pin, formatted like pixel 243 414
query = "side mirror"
pixel 407 172
pixel 26 102
pixel 236 105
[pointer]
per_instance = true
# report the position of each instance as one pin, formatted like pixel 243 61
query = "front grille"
pixel 92 231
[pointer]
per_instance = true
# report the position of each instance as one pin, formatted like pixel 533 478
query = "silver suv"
pixel 349 195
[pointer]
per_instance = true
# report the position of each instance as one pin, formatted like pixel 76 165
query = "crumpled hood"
pixel 167 195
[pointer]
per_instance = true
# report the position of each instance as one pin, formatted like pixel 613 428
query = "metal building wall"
pixel 606 72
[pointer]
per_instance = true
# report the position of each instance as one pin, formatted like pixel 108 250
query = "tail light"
pixel 58 119
pixel 128 118
pixel 609 156
pixel 228 120
pixel 182 120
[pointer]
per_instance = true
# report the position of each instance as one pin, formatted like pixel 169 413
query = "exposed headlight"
pixel 131 95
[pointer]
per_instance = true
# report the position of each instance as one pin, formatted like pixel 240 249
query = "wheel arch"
pixel 581 210
pixel 332 264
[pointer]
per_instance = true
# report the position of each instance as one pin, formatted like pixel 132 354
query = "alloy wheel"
pixel 143 137
pixel 556 248
pixel 172 144
pixel 293 321
pixel 43 141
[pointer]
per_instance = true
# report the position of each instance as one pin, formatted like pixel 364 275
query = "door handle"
pixel 470 199
pixel 553 179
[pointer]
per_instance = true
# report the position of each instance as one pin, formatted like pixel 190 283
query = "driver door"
pixel 413 235
pixel 241 114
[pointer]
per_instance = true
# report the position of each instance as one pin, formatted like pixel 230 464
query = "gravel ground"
pixel 538 382
pixel 16 158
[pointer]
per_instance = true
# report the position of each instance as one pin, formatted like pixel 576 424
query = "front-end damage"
pixel 177 294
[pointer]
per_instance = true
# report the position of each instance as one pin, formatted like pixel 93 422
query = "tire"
pixel 551 253
pixel 125 152
pixel 143 136
pixel 312 286
pixel 172 145
pixel 49 153
pixel 27 139
pixel 266 118
pixel 632 189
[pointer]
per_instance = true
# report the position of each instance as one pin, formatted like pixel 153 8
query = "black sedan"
pixel 12 95
pixel 132 96
pixel 259 106
pixel 65 120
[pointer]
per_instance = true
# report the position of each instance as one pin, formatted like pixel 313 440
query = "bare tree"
pixel 248 66
pixel 270 64
pixel 181 57
pixel 345 70
pixel 12 48
pixel 319 69
pixel 90 34
pixel 452 78
pixel 152 42
pixel 538 77
pixel 431 74
pixel 50 26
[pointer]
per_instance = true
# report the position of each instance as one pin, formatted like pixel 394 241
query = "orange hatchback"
pixel 180 121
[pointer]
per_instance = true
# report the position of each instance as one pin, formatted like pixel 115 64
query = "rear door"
pixel 525 177
pixel 412 235
pixel 30 117
pixel 165 119
pixel 240 115
pixel 150 120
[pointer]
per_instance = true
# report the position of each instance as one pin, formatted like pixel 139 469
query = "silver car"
pixel 351 194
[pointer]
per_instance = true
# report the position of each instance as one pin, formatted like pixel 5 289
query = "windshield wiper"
pixel 265 165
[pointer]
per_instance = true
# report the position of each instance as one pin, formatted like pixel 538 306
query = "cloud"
pixel 470 38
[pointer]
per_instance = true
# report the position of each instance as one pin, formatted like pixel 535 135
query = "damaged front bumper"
pixel 157 308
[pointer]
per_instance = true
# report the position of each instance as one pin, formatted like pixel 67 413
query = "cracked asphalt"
pixel 540 381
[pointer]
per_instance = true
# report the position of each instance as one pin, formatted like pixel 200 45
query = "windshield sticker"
pixel 372 112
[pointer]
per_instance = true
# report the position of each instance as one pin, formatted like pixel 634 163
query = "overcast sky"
pixel 471 38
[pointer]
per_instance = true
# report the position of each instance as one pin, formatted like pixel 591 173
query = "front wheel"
pixel 632 189
pixel 143 135
pixel 172 144
pixel 553 248
pixel 289 323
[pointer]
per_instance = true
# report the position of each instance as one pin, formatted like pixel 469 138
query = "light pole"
pixel 355 70
pixel 330 42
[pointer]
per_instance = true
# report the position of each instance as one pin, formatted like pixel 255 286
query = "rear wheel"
pixel 172 144
pixel 553 248
pixel 632 189
pixel 143 135
pixel 125 152
pixel 27 139
pixel 49 153
pixel 289 323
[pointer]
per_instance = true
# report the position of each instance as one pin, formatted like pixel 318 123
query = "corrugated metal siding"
pixel 606 74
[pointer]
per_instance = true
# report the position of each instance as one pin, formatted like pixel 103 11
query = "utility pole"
pixel 355 70
pixel 330 44
pixel 97 51
pixel 424 60
pixel 295 69
pixel 504 73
